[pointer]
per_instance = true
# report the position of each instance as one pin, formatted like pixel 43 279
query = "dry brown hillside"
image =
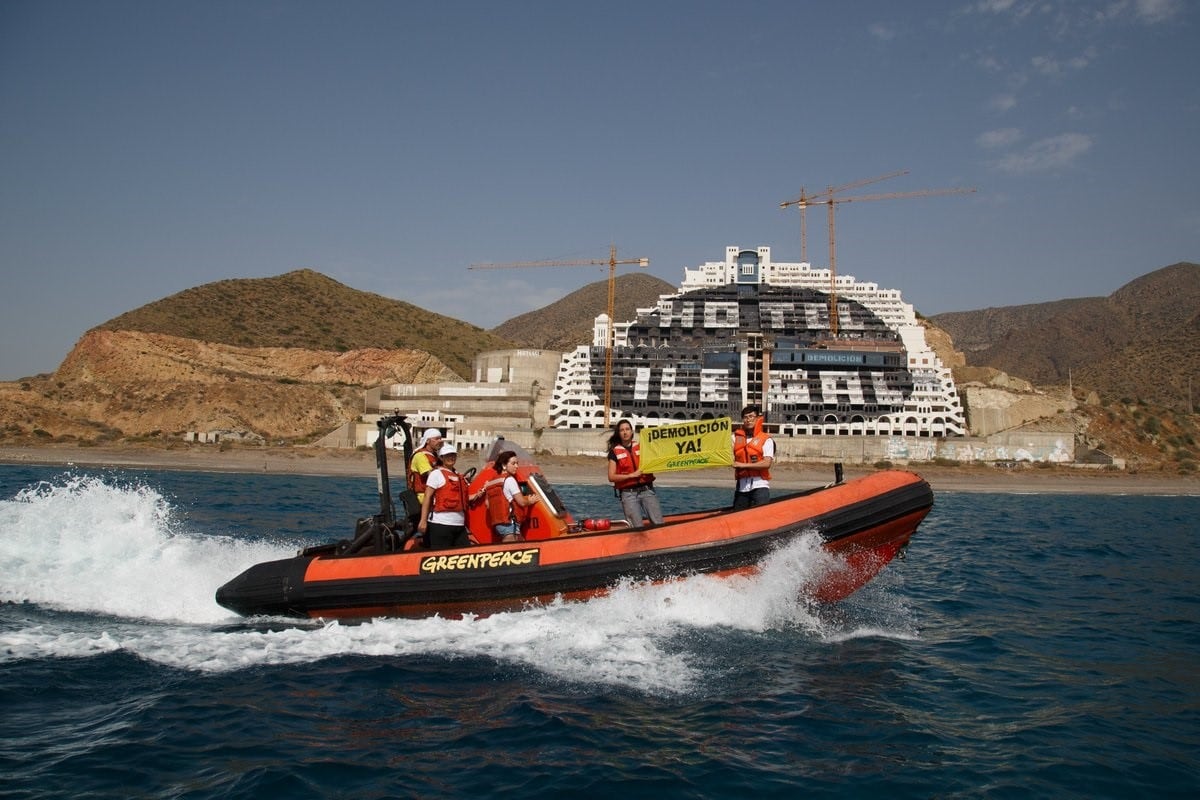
pixel 1133 357
pixel 121 384
pixel 282 358
pixel 568 322
pixel 307 310
pixel 1139 343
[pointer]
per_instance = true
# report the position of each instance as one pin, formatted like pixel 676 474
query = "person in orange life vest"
pixel 634 487
pixel 444 509
pixel 424 460
pixel 504 497
pixel 753 455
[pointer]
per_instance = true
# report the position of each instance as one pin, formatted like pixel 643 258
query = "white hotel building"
pixel 749 330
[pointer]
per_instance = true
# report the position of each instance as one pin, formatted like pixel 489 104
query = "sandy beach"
pixel 591 470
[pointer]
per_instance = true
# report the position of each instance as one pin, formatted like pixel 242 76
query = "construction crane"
pixel 805 200
pixel 828 199
pixel 612 261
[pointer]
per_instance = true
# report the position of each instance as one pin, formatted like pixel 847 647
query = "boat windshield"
pixel 501 444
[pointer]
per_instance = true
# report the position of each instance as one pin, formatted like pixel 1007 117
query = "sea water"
pixel 1027 646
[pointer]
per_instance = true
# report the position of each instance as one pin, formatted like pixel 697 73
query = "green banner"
pixel 687 445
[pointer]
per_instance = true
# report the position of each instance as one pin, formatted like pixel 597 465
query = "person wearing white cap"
pixel 424 460
pixel 444 509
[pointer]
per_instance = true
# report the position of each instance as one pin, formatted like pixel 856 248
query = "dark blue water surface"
pixel 1029 646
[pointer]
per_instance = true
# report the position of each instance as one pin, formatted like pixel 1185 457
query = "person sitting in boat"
pixel 424 460
pixel 443 521
pixel 753 455
pixel 634 488
pixel 506 504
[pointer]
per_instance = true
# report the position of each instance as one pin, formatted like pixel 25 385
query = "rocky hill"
pixel 131 384
pixel 1131 359
pixel 567 323
pixel 279 358
pixel 307 310
pixel 1139 343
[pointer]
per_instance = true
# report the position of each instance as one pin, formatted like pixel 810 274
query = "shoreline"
pixel 591 470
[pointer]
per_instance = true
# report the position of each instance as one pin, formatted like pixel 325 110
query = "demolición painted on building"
pixel 742 330
pixel 748 330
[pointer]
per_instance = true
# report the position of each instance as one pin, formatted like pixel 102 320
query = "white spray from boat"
pixel 104 567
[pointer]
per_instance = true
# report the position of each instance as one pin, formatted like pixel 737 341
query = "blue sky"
pixel 148 147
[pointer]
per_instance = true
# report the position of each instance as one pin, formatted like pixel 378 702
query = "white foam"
pixel 88 545
pixel 115 551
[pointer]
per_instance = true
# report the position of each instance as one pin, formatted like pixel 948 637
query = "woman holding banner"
pixel 633 487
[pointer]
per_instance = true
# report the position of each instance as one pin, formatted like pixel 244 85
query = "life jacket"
pixel 750 449
pixel 417 481
pixel 501 510
pixel 627 460
pixel 451 495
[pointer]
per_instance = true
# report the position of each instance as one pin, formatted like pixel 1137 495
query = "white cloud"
pixel 1003 102
pixel 1065 16
pixel 1002 137
pixel 1110 12
pixel 989 62
pixel 1052 153
pixel 1047 65
pixel 882 32
pixel 1015 10
pixel 994 6
pixel 1154 11
pixel 1150 12
pixel 1083 59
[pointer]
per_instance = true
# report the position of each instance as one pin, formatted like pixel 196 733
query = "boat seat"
pixel 411 505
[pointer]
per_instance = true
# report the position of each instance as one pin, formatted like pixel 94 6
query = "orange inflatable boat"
pixel 865 522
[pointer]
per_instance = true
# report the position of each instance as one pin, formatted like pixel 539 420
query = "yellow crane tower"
pixel 828 198
pixel 805 200
pixel 612 263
